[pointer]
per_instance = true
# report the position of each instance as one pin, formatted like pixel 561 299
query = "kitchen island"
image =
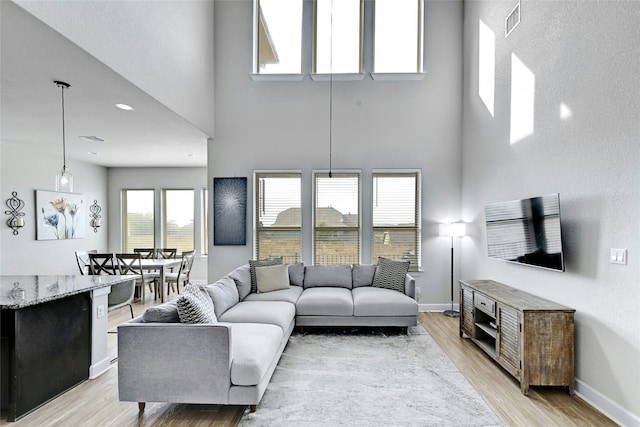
pixel 53 336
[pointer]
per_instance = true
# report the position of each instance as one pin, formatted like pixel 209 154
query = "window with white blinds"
pixel 278 227
pixel 137 219
pixel 396 217
pixel 336 218
pixel 177 219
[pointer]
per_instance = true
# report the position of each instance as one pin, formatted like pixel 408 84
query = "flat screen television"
pixel 526 231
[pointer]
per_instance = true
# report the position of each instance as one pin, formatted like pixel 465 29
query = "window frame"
pixel 325 173
pixel 416 74
pixel 123 216
pixel 257 228
pixel 417 173
pixel 163 217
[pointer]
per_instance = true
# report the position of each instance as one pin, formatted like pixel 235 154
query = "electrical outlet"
pixel 100 310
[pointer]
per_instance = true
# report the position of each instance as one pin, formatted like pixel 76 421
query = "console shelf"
pixel 530 337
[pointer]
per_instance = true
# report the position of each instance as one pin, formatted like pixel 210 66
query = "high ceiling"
pixel 33 55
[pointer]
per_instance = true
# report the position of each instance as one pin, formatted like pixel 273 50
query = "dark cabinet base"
pixel 48 350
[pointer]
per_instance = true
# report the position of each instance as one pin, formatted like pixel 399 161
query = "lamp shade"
pixel 455 229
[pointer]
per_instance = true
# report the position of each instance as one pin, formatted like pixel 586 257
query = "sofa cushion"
pixel 363 275
pixel 289 295
pixel 195 306
pixel 163 313
pixel 242 277
pixel 338 276
pixel 253 263
pixel 272 278
pixel 254 347
pixel 296 274
pixel 391 274
pixel 224 294
pixel 325 302
pixel 276 313
pixel 371 301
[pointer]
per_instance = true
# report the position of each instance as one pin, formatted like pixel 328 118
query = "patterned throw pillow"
pixel 195 307
pixel 390 274
pixel 253 263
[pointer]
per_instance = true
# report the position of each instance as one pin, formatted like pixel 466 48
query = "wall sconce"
pixel 95 222
pixel 16 220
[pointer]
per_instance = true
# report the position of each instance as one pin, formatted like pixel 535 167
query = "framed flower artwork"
pixel 59 216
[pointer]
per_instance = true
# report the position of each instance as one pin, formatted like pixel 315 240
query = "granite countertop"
pixel 21 291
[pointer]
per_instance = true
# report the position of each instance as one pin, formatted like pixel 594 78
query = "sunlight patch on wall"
pixel 486 65
pixel 523 85
pixel 565 111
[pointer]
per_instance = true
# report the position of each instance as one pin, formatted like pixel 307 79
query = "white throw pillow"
pixel 272 278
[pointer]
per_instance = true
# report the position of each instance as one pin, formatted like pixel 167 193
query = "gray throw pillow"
pixel 363 275
pixel 391 274
pixel 242 277
pixel 163 313
pixel 296 274
pixel 224 294
pixel 195 306
pixel 272 278
pixel 253 263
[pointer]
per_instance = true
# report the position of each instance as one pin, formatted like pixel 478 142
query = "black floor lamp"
pixel 456 229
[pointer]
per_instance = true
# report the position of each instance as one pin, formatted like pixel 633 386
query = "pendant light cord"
pixel 64 145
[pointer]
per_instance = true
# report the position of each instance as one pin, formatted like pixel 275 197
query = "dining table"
pixel 163 265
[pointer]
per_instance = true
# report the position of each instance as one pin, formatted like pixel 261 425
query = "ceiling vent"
pixel 512 20
pixel 91 138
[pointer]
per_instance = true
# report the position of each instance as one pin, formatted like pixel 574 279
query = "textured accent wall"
pixel 583 58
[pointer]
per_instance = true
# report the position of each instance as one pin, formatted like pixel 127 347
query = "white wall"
pixel 157 179
pixel 25 170
pixel 399 124
pixel 586 55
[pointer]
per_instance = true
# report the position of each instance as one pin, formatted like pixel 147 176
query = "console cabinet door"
pixel 466 311
pixel 508 342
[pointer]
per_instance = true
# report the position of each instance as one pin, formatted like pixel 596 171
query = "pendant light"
pixel 64 178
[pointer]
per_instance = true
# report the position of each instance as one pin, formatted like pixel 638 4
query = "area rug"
pixel 368 378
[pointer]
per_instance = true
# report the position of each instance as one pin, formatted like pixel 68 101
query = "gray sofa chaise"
pixel 231 361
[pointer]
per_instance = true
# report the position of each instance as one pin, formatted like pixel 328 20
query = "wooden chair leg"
pixel 131 308
pixel 141 406
pixel 253 408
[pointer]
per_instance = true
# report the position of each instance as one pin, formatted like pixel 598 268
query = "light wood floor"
pixel 95 402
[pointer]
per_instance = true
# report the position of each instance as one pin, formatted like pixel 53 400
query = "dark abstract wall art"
pixel 229 211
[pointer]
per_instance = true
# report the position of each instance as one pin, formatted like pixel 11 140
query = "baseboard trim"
pixel 602 403
pixel 437 307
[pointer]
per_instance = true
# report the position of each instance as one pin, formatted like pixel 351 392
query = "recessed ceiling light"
pixel 189 155
pixel 124 107
pixel 91 138
pixel 93 153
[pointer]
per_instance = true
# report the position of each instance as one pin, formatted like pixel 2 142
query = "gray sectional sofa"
pixel 231 361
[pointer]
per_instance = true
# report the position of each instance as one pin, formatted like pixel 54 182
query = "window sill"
pixel 398 76
pixel 277 77
pixel 337 77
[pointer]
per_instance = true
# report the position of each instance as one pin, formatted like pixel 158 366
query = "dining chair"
pixel 82 258
pixel 130 263
pixel 102 263
pixel 167 253
pixel 183 274
pixel 122 293
pixel 145 252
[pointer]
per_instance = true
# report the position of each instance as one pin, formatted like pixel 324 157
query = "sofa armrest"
pixel 174 362
pixel 410 286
